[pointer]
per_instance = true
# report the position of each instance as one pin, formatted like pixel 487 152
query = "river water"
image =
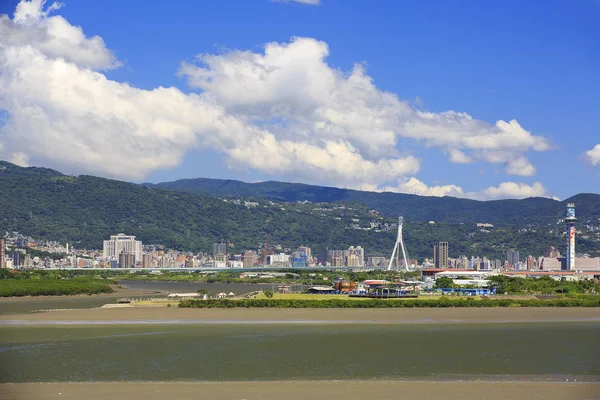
pixel 193 352
pixel 186 287
pixel 161 289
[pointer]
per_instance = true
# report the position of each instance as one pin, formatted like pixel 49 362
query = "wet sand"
pixel 316 390
pixel 414 315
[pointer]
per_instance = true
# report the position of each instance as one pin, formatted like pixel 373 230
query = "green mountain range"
pixel 536 210
pixel 84 210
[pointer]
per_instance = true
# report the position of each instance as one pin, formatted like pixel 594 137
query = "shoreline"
pixel 117 291
pixel 304 389
pixel 261 315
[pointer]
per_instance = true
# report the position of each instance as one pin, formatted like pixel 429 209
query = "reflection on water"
pixel 191 352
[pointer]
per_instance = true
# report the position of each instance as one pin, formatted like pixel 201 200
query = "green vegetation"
pixel 291 276
pixel 443 302
pixel 543 285
pixel 43 283
pixel 51 287
pixel 444 282
pixel 86 210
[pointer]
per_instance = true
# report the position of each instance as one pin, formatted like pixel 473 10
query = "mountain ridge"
pixel 84 210
pixel 448 209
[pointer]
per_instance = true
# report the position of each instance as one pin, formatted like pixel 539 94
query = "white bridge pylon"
pixel 396 252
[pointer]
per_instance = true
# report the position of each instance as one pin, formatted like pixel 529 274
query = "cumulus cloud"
pixel 520 166
pixel 53 36
pixel 458 157
pixel 415 186
pixel 504 190
pixel 281 111
pixel 593 155
pixel 291 88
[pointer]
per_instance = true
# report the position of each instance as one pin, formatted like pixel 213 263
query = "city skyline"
pixel 308 97
pixel 124 251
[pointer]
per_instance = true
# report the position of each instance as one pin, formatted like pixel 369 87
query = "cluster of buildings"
pixel 125 251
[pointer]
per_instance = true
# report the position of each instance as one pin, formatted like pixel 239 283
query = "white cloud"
pixel 458 157
pixel 284 111
pixel 593 155
pixel 415 186
pixel 53 36
pixel 292 90
pixel 505 190
pixel 520 166
pixel 311 2
pixel 514 190
pixel 20 159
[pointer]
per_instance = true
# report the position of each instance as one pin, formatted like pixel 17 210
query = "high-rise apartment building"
pixel 512 257
pixel 304 251
pixel 16 257
pixel 146 261
pixel 552 252
pixel 250 259
pixel 440 254
pixel 219 249
pixel 280 259
pixel 122 243
pixel 2 251
pixel 530 263
pixel 126 260
pixel 376 261
pixel 357 252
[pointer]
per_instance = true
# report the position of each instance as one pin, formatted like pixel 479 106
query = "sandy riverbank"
pixel 327 315
pixel 315 390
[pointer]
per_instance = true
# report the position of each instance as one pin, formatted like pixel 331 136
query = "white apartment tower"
pixel 122 243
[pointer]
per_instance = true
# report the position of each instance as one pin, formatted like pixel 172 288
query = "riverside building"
pixel 122 243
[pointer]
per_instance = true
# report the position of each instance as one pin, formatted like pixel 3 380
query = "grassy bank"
pixel 580 301
pixel 52 287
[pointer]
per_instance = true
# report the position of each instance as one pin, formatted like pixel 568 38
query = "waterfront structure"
pixel 400 245
pixel 440 254
pixel 570 220
pixel 122 243
pixel 512 256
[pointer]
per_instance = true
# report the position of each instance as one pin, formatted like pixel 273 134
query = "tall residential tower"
pixel 570 221
pixel 440 254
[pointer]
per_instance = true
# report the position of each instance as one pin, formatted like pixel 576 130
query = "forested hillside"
pixel 85 210
pixel 538 210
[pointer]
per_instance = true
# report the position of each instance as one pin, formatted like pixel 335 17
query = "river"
pixel 223 352
pixel 19 305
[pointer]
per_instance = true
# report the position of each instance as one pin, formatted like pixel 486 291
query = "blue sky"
pixel 530 61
